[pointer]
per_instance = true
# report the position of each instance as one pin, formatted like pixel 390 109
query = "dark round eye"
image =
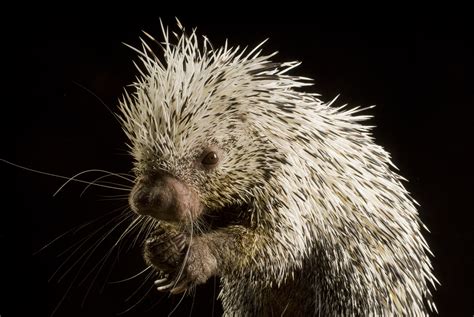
pixel 210 159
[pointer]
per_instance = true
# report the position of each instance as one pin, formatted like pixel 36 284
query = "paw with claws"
pixel 183 262
pixel 165 250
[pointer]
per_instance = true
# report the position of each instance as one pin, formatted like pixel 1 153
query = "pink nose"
pixel 164 198
pixel 146 199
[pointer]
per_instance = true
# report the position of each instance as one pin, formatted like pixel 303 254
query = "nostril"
pixel 159 197
pixel 142 198
pixel 157 200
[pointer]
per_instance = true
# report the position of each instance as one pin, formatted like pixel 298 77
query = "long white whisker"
pixel 60 236
pixel 186 255
pixel 79 228
pixel 147 226
pixel 96 181
pixel 132 226
pixel 154 304
pixel 214 295
pixel 177 305
pixel 87 252
pixel 79 244
pixel 141 285
pixel 62 299
pixel 92 249
pixel 106 256
pixel 115 196
pixel 132 277
pixel 143 297
pixel 65 293
pixel 192 304
pixel 99 99
pixel 73 178
pixel 62 177
pixel 114 199
pixel 103 260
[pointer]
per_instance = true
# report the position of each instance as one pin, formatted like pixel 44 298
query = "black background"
pixel 419 77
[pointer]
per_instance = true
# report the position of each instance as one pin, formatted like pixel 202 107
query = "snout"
pixel 165 198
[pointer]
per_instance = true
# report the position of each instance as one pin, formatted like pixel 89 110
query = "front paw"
pixel 164 250
pixel 198 266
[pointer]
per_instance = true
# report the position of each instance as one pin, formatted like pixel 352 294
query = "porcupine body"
pixel 314 219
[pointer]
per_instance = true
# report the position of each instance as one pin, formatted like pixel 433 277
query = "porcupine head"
pixel 317 220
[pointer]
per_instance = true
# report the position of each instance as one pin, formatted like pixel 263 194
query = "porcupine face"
pixel 204 174
pixel 192 134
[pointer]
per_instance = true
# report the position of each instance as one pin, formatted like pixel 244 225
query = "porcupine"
pixel 285 197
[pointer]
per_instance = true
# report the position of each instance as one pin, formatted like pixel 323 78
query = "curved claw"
pixel 165 251
pixel 160 281
pixel 180 287
pixel 173 286
pixel 165 287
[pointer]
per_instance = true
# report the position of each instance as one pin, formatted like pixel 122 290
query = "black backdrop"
pixel 420 78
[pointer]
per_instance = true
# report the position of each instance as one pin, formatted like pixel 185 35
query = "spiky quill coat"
pixel 329 228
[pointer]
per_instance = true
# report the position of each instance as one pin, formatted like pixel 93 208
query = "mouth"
pixel 170 200
pixel 209 219
pixel 226 216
